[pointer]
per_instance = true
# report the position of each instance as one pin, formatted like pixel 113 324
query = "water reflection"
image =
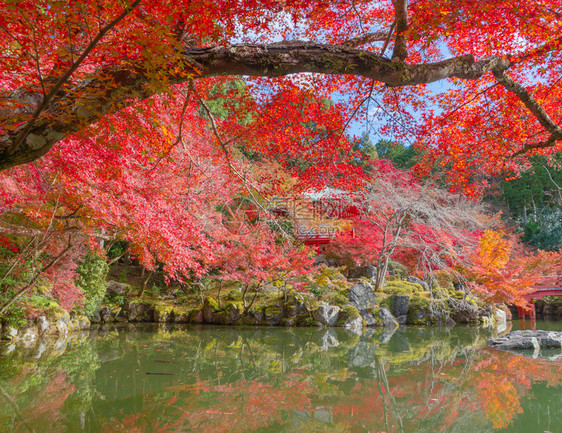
pixel 278 380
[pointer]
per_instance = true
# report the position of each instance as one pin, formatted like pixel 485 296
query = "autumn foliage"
pixel 132 131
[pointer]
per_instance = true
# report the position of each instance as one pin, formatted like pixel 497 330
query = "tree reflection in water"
pixel 278 380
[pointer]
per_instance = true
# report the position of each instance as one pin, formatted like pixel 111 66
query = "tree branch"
pixel 534 107
pixel 113 88
pixel 401 19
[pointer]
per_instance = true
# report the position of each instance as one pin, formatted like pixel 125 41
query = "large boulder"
pixel 362 297
pixel 528 340
pixel 210 307
pixel 387 319
pixel 400 305
pixel 368 271
pixel 139 311
pixel 117 289
pixel 350 318
pixel 273 314
pixel 326 314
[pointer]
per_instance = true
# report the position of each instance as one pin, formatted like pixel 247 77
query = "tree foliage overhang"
pixel 66 65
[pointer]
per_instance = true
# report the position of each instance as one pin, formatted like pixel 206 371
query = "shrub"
pixel 92 274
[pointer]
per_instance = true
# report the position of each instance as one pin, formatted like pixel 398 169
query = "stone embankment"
pixel 361 310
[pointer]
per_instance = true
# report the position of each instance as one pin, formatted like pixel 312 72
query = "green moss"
pixel 272 310
pixel 92 274
pixel 347 313
pixel 400 287
pixel 307 321
pixel 211 303
pixel 238 305
pixel 338 299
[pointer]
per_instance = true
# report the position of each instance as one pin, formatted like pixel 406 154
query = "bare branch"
pixel 367 39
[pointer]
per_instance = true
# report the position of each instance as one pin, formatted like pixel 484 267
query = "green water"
pixel 213 379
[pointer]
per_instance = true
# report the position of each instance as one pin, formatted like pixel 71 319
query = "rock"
pixel 197 316
pixel 501 317
pixel 400 305
pixel 402 319
pixel 501 320
pixel 253 318
pixel 117 289
pixel 59 323
pixel 528 340
pixel 180 316
pixel 416 280
pixel 369 318
pixel 29 334
pixel 327 314
pixel 234 311
pixel 273 314
pixel 368 271
pixel 362 297
pixel 507 312
pixel 465 312
pixel 163 314
pixel 350 318
pixel 387 319
pixel 139 311
pixel 386 335
pixel 396 268
pixel 210 306
pixel 486 311
pixel 9 332
pixel 105 315
pixel 78 322
pixel 363 354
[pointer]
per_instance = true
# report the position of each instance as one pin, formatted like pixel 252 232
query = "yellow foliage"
pixel 494 250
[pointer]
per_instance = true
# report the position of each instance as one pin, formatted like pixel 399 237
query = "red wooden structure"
pixel 551 286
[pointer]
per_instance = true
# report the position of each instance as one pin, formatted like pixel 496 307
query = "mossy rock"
pixel 163 313
pixel 196 316
pixel 347 314
pixel 273 314
pixel 210 307
pixel 397 269
pixel 211 303
pixel 418 311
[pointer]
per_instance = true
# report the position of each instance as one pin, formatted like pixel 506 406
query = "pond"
pixel 220 379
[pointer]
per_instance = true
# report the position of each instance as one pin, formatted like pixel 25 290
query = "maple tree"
pixel 68 65
pixel 146 138
pixel 401 218
pixel 503 269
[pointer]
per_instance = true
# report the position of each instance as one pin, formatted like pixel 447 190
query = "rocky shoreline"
pixel 360 311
